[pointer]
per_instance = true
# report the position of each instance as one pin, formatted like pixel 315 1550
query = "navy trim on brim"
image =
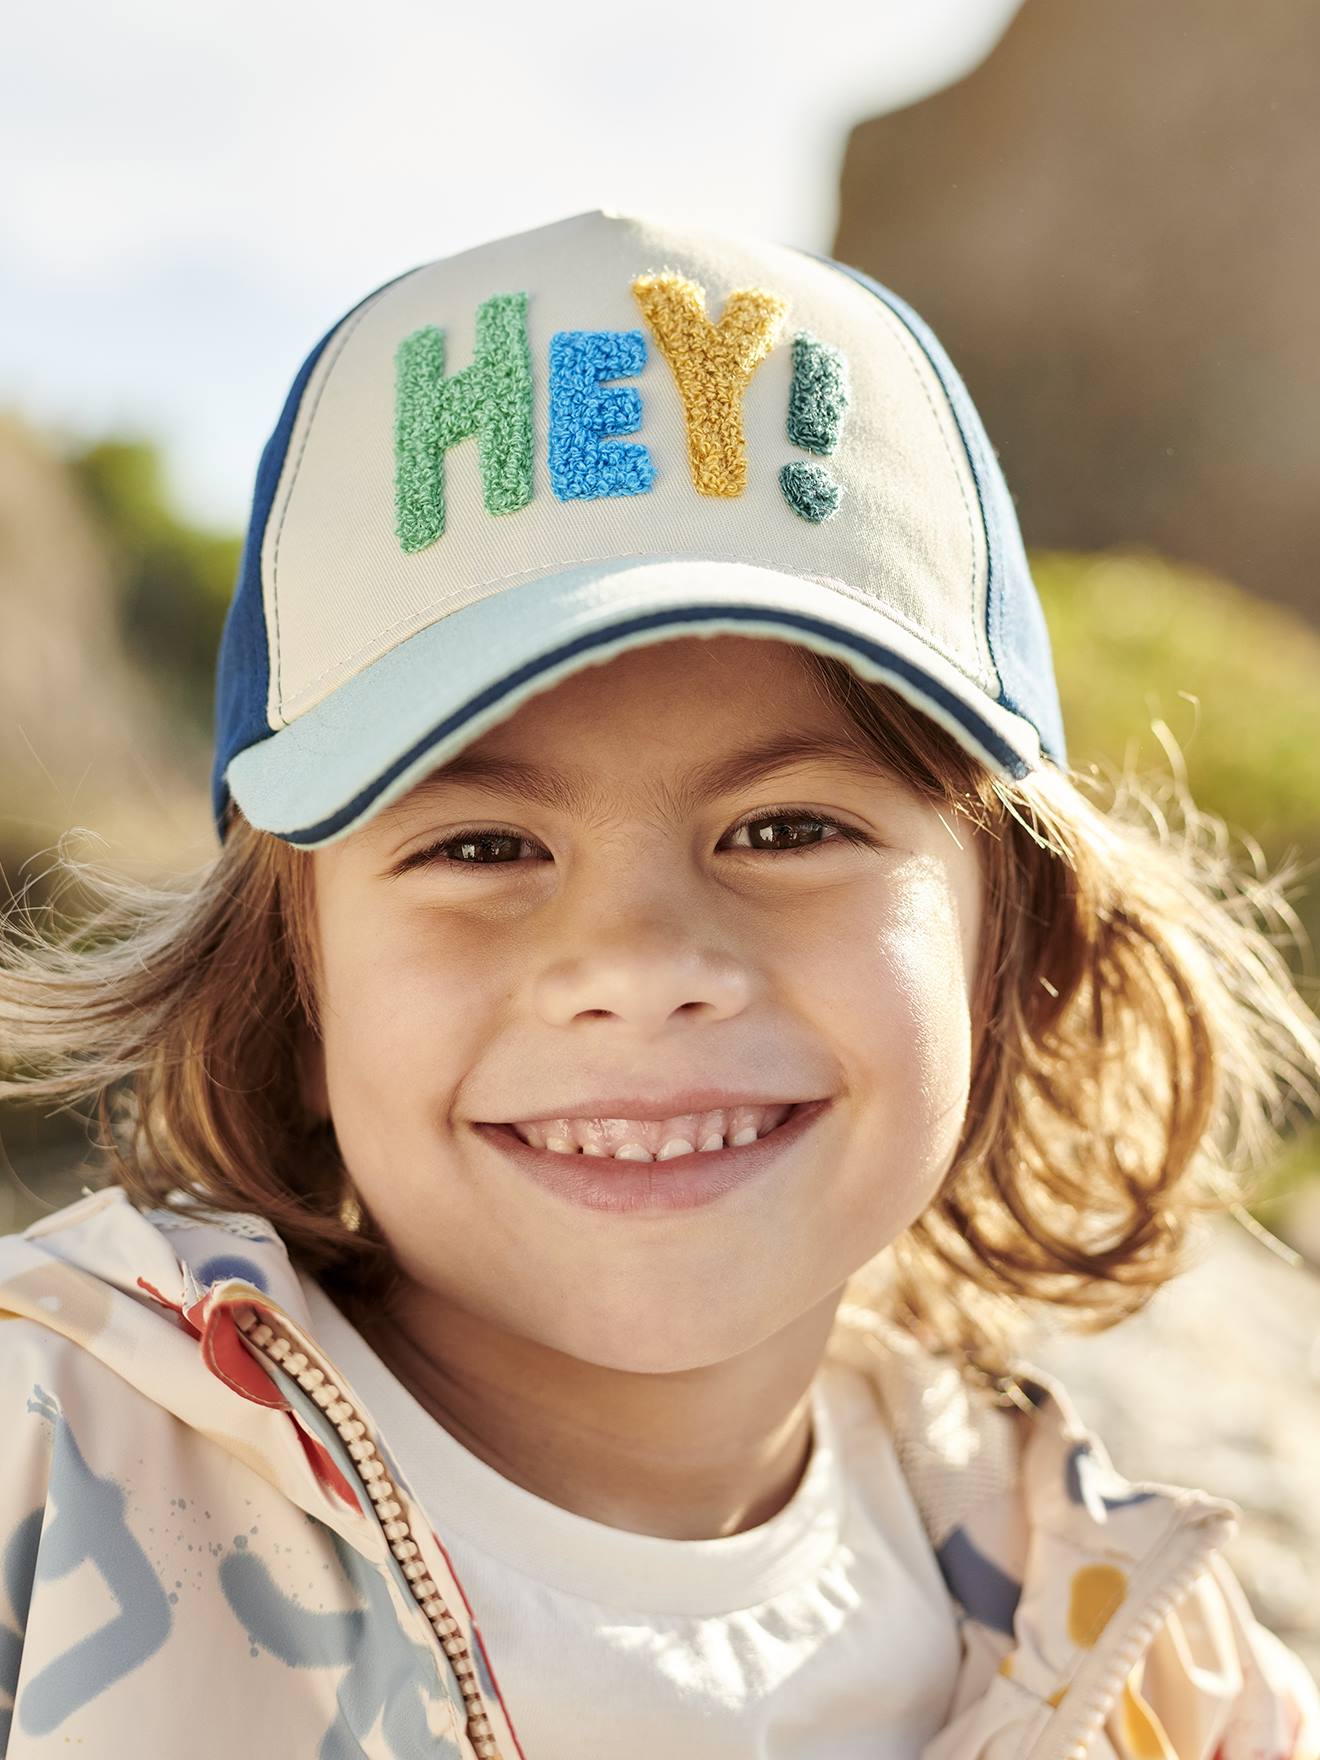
pixel 378 732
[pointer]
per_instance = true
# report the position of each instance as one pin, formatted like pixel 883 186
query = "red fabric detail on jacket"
pixel 323 1465
pixel 165 1302
pixel 225 1356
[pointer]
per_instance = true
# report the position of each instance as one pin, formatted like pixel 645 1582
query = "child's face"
pixel 640 943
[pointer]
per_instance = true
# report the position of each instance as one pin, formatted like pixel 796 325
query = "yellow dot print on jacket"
pixel 712 366
pixel 1094 1595
pixel 1141 1734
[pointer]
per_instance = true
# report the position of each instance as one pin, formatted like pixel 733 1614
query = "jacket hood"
pixel 1061 1570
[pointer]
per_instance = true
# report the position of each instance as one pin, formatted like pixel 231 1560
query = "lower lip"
pixel 685 1182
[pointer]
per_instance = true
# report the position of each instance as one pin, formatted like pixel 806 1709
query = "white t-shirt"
pixel 826 1633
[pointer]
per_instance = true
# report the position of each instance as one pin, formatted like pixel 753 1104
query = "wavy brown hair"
pixel 1140 1044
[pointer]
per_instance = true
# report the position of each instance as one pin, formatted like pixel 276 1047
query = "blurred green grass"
pixel 1136 637
pixel 173 579
pixel 1141 641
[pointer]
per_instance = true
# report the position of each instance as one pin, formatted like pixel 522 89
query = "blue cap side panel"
pixel 1015 623
pixel 242 678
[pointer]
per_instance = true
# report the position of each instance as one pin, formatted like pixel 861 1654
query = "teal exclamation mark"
pixel 817 401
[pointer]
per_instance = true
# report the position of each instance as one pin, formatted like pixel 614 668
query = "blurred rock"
pixel 84 741
pixel 1109 224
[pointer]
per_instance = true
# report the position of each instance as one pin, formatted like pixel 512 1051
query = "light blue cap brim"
pixel 413 709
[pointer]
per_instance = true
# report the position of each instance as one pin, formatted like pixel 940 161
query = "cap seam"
pixel 331 360
pixel 907 344
pixel 909 341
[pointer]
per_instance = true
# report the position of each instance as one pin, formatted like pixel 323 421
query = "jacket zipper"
pixel 293 1360
pixel 1066 1736
pixel 1069 1733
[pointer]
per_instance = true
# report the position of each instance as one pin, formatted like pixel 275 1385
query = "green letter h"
pixel 492 399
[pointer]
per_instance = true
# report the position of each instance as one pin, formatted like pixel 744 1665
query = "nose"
pixel 644 978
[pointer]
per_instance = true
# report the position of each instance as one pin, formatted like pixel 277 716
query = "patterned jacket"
pixel 206 1547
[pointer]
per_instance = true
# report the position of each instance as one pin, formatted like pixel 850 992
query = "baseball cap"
pixel 508 464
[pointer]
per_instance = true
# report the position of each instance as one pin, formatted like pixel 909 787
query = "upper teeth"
pixel 626 1139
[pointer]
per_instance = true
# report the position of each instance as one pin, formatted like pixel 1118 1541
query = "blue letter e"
pixel 582 414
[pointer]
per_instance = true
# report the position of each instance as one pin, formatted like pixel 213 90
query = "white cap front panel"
pixel 340 589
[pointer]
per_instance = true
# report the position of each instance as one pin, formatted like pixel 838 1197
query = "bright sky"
pixel 193 195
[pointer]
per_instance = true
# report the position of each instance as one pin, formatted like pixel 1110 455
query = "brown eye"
pixel 470 848
pixel 817 821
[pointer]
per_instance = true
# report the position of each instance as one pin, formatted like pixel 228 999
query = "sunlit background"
pixel 1107 215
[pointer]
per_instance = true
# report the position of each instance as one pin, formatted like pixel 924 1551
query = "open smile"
pixel 680 1182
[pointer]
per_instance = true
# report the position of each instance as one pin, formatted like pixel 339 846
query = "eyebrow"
pixel 576 793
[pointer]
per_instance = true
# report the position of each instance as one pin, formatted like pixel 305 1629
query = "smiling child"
pixel 662 1022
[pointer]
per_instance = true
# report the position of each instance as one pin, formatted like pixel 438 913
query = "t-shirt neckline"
pixel 643 1573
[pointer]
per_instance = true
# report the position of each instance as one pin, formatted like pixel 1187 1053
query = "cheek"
pixel 402 1008
pixel 909 1018
pixel 925 966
